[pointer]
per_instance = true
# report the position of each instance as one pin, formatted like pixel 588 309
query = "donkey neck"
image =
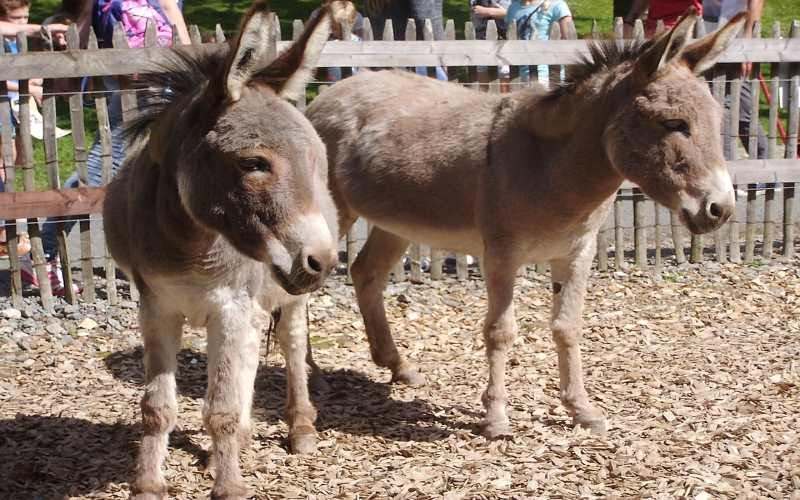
pixel 568 128
pixel 186 243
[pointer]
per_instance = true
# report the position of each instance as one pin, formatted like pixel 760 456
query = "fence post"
pixel 104 132
pixel 732 140
pixel 51 160
pixel 602 243
pixel 129 106
pixel 657 224
pixel 81 156
pixel 7 155
pixel 772 152
pixel 37 251
pixel 791 152
pixel 639 227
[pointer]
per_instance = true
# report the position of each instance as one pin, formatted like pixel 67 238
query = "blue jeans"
pixel 399 11
pixel 94 166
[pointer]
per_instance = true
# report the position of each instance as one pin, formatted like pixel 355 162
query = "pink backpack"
pixel 133 14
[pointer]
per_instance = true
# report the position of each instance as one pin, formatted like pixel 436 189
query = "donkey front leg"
pixel 569 288
pixel 499 332
pixel 161 331
pixel 370 271
pixel 292 333
pixel 233 342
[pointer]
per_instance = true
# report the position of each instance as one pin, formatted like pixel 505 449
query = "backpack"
pixel 133 15
pixel 524 27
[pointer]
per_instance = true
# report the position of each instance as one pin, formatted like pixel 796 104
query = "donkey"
pixel 527 177
pixel 222 215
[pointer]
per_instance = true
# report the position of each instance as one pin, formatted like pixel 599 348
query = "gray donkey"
pixel 523 177
pixel 221 215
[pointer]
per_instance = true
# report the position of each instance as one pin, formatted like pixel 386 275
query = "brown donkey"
pixel 221 215
pixel 524 177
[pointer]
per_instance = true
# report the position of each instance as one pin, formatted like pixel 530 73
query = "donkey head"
pixel 666 135
pixel 250 167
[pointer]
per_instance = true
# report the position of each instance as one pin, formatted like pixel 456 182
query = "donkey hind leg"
pixel 569 288
pixel 300 413
pixel 233 342
pixel 499 333
pixel 370 271
pixel 161 331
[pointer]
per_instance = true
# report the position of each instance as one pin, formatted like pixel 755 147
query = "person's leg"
pixel 421 10
pixel 746 123
pixel 50 226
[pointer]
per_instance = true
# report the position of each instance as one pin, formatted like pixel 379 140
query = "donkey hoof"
pixel 408 376
pixel 230 491
pixel 149 488
pixel 149 496
pixel 303 442
pixel 496 430
pixel 595 423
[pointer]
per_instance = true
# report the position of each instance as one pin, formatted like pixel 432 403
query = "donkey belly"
pixel 466 240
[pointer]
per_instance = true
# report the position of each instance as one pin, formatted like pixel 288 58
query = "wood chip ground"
pixel 697 368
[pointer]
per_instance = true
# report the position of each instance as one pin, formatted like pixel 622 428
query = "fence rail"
pixel 370 54
pixel 637 231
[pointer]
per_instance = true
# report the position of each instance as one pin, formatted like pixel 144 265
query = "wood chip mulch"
pixel 698 369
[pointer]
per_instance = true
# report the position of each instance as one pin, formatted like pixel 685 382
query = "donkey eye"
pixel 255 165
pixel 677 125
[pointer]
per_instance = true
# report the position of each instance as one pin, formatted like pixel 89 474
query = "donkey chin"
pixel 707 213
pixel 300 265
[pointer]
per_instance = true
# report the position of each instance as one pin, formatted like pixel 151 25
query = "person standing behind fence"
pixel 533 19
pixel 399 12
pixel 666 11
pixel 483 10
pixel 102 16
pixel 716 13
pixel 14 17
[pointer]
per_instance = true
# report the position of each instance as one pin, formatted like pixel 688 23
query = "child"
pixel 533 19
pixel 14 16
pixel 14 19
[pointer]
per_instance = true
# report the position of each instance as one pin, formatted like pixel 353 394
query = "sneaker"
pixel 57 279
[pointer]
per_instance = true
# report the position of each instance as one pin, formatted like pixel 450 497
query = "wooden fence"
pixel 637 231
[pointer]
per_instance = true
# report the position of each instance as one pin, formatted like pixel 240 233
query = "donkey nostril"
pixel 715 210
pixel 314 264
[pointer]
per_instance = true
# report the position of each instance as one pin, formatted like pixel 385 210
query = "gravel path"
pixel 698 370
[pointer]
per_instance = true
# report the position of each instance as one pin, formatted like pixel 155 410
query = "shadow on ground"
pixel 351 403
pixel 43 457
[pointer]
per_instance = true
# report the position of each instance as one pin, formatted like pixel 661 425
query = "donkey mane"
pixel 182 75
pixel 603 56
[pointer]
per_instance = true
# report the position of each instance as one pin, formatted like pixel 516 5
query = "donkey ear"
pixel 289 73
pixel 254 49
pixel 703 54
pixel 666 47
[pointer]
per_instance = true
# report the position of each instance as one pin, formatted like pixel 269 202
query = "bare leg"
pixel 161 331
pixel 300 413
pixel 499 332
pixel 233 340
pixel 569 288
pixel 370 271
